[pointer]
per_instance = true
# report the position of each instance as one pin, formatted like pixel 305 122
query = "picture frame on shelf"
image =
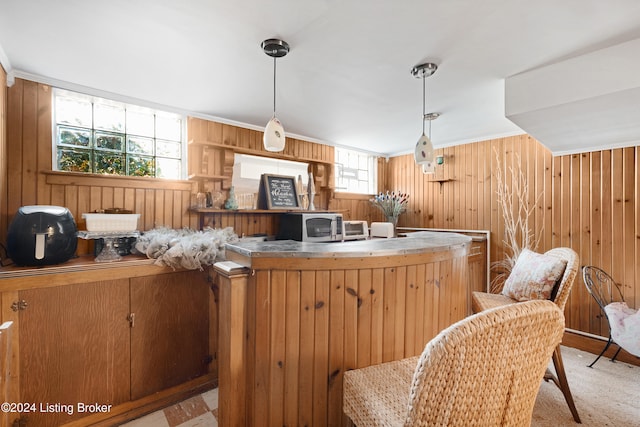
pixel 278 192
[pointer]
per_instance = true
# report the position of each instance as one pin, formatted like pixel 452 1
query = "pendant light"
pixel 423 153
pixel 274 137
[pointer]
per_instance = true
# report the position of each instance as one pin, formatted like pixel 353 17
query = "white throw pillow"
pixel 533 276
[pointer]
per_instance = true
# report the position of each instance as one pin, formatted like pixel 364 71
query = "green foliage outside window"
pixel 77 137
pixel 110 163
pixel 141 166
pixel 118 149
pixel 109 141
pixel 74 160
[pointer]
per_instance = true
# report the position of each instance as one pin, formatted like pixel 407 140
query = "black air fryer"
pixel 42 235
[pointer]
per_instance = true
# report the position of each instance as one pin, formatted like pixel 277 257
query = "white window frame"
pixel 356 171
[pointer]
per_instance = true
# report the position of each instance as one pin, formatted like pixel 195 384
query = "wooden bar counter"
pixel 295 316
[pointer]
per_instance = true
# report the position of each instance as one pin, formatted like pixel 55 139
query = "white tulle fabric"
pixel 185 248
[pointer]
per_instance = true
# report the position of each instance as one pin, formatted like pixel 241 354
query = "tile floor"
pixel 198 411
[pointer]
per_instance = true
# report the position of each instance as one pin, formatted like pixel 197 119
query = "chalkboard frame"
pixel 265 192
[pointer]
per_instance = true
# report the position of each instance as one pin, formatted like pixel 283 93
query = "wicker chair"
pixel 483 370
pixel 482 301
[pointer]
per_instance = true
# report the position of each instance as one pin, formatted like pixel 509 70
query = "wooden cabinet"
pixel 74 347
pixel 170 329
pixel 133 343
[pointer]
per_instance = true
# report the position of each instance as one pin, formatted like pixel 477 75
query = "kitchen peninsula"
pixel 294 316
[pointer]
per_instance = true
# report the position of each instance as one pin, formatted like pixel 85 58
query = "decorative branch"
pixel 517 233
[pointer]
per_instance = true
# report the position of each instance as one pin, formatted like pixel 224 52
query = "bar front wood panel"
pixel 305 328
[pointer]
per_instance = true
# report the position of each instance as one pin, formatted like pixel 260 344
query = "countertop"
pixel 418 242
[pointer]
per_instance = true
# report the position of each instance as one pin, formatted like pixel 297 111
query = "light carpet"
pixel 606 395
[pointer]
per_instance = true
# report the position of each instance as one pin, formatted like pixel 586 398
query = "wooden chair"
pixel 482 301
pixel 483 370
pixel 5 365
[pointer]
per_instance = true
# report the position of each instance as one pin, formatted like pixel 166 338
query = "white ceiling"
pixel 347 78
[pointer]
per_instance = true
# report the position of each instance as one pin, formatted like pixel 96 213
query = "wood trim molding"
pixel 351 196
pixel 263 153
pixel 94 180
pixel 594 345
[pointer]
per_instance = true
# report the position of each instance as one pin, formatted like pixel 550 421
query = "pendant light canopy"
pixel 423 153
pixel 274 137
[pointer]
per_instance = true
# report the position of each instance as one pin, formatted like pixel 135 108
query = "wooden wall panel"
pixel 201 131
pixel 588 201
pixel 3 154
pixel 28 180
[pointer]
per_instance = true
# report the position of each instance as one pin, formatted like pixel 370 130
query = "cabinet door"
pixel 74 348
pixel 170 335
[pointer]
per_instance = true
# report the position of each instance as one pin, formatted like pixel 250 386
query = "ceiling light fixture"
pixel 423 153
pixel 274 137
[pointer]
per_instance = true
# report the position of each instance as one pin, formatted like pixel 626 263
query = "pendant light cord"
pixel 274 86
pixel 424 97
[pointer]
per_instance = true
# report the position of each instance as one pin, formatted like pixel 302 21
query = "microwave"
pixel 355 230
pixel 310 227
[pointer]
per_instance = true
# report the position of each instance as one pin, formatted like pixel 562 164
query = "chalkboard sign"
pixel 278 192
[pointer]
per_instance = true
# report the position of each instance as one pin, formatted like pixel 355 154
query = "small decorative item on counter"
pixel 245 200
pixel 122 245
pixel 217 199
pixel 201 200
pixel 391 204
pixel 231 203
pixel 303 200
pixel 118 211
pixel 311 191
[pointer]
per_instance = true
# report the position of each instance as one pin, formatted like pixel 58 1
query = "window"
pixel 356 171
pixel 97 135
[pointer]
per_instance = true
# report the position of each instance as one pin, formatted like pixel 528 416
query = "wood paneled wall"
pixel 212 146
pixel 3 154
pixel 30 179
pixel 201 130
pixel 589 202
